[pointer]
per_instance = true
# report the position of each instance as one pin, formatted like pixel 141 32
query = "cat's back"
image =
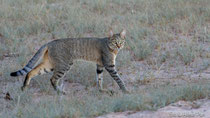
pixel 78 48
pixel 78 42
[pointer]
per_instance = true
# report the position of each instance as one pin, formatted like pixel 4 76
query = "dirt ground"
pixel 181 109
pixel 140 73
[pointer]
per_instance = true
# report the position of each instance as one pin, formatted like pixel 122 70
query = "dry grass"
pixel 166 39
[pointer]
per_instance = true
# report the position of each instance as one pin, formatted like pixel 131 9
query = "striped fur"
pixel 112 71
pixel 58 56
pixel 99 77
pixel 31 63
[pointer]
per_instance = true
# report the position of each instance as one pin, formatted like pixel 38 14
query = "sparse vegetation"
pixel 95 104
pixel 166 39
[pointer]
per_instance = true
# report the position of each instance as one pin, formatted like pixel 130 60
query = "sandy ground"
pixel 181 109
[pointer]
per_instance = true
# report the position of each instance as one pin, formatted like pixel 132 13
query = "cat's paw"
pixel 61 92
pixel 23 88
pixel 110 92
pixel 126 91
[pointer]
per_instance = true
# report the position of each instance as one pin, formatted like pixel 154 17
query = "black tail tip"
pixel 13 74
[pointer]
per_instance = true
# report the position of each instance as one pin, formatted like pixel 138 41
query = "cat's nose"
pixel 118 46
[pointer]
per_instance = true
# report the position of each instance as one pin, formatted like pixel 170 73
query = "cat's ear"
pixel 123 33
pixel 111 33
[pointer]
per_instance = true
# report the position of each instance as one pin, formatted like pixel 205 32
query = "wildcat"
pixel 59 55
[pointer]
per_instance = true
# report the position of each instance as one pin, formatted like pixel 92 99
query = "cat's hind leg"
pixel 44 67
pixel 58 74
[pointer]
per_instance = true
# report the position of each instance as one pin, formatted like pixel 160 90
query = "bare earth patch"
pixel 181 109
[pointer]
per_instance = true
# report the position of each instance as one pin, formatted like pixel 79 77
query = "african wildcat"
pixel 59 55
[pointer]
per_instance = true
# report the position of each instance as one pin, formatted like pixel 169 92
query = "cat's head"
pixel 116 41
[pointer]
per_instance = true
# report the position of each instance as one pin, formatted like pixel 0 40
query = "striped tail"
pixel 31 63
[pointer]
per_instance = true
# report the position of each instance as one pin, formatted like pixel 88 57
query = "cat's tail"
pixel 31 63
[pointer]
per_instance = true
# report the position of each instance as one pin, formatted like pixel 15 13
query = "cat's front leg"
pixel 113 72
